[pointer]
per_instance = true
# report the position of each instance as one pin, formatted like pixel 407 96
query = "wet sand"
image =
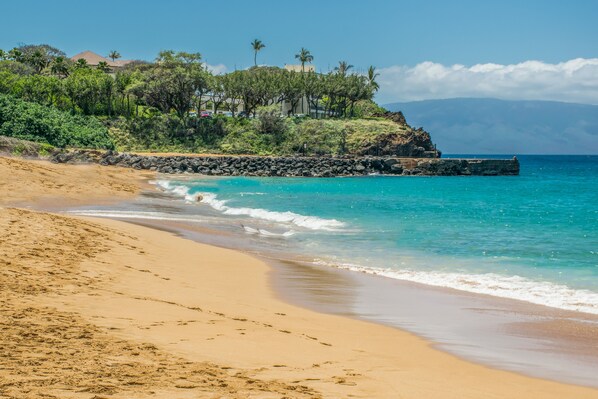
pixel 509 334
pixel 502 333
pixel 96 308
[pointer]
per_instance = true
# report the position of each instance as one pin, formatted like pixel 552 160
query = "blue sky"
pixel 395 36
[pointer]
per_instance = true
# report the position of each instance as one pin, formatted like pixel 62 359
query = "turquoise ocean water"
pixel 532 237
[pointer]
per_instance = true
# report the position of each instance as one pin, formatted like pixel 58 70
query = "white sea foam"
pixel 135 215
pixel 266 233
pixel 514 287
pixel 251 193
pixel 176 189
pixel 308 222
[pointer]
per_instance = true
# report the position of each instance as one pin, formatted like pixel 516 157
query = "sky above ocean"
pixel 543 50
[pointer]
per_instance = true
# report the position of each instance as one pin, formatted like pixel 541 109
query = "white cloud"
pixel 572 81
pixel 217 69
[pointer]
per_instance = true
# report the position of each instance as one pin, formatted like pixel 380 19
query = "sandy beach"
pixel 96 308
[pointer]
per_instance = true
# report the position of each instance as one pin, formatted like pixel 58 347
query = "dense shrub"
pixel 367 108
pixel 35 122
pixel 157 132
pixel 319 136
pixel 269 121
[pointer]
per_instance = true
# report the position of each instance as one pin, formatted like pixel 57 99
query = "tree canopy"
pixel 176 83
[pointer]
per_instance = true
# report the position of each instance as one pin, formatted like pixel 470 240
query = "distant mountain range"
pixel 490 126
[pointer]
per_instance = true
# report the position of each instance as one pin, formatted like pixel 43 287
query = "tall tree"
pixel 257 45
pixel 37 60
pixel 314 88
pixel 90 90
pixel 15 55
pixel 343 67
pixel 60 66
pixel 173 82
pixel 39 56
pixel 372 75
pixel 233 89
pixel 114 55
pixel 303 57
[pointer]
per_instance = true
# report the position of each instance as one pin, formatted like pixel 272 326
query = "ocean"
pixel 532 237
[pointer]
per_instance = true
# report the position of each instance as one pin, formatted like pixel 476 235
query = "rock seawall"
pixel 295 166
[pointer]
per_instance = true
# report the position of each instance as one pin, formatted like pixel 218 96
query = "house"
pixel 299 68
pixel 94 59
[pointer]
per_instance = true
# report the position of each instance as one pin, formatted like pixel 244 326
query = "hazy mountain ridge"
pixel 492 126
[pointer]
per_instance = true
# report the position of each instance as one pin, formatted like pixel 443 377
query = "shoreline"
pixel 157 280
pixel 489 327
pixel 357 295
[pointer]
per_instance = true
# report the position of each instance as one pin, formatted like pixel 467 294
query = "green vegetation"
pixel 46 97
pixel 303 57
pixel 257 45
pixel 268 134
pixel 31 121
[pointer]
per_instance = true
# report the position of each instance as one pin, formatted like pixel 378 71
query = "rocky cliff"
pixel 406 142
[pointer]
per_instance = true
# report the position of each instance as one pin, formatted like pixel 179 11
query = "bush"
pixel 367 108
pixel 35 122
pixel 243 138
pixel 269 121
pixel 156 132
pixel 320 136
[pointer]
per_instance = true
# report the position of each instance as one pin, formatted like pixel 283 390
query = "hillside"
pixel 491 126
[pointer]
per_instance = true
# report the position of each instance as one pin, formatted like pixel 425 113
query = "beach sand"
pixel 95 308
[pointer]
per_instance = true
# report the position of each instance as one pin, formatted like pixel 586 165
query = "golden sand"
pixel 95 308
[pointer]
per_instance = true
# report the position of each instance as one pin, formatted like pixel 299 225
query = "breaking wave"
pixel 514 287
pixel 308 222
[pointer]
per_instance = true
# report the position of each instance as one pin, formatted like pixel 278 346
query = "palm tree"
pixel 304 56
pixel 38 60
pixel 103 66
pixel 60 67
pixel 81 63
pixel 372 75
pixel 257 46
pixel 343 67
pixel 114 55
pixel 15 54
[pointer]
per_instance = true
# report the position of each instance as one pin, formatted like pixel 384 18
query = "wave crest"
pixel 513 287
pixel 308 222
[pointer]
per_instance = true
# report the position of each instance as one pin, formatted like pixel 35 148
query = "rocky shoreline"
pixel 295 166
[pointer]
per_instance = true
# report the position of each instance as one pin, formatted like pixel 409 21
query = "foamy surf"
pixel 308 222
pixel 175 189
pixel 513 287
pixel 114 214
pixel 266 233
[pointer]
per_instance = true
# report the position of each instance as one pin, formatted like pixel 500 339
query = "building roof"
pixel 94 59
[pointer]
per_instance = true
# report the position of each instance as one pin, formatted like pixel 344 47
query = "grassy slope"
pixel 322 136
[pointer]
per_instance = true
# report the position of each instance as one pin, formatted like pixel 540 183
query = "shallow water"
pixel 532 237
